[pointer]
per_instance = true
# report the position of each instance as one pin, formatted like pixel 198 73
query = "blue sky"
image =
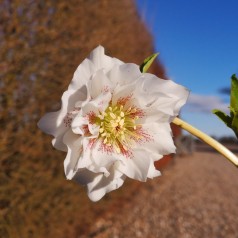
pixel 198 45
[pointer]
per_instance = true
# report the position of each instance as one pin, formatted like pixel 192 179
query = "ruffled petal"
pixel 100 60
pixel 82 75
pixel 153 172
pixel 157 103
pixel 52 123
pixel 88 113
pixel 136 167
pixel 78 124
pixel 160 139
pixel 75 149
pixel 98 184
pixel 102 184
pixel 124 74
pixel 123 94
pixel 84 176
pixel 103 160
pixel 98 104
pixel 99 84
pixel 173 91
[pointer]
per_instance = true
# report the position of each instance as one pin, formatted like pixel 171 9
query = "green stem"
pixel 207 139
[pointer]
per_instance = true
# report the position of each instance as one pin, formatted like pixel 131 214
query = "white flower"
pixel 114 123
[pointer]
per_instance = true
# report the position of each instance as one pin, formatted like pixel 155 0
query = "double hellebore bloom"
pixel 114 123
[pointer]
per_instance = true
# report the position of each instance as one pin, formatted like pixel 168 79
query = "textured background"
pixel 196 197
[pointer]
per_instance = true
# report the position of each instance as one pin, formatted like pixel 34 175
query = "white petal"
pixel 98 184
pixel 157 103
pixel 161 141
pixel 94 129
pixel 84 176
pixel 75 149
pixel 85 160
pixel 77 124
pixel 50 125
pixel 102 159
pixel 154 101
pixel 53 123
pixel 123 92
pixel 136 167
pixel 124 74
pixel 82 75
pixel 70 98
pixel 99 84
pixel 153 172
pixel 152 84
pixel 102 185
pixel 100 60
pixel 100 103
pixel 95 106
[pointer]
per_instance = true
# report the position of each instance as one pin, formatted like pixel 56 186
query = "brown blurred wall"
pixel 41 44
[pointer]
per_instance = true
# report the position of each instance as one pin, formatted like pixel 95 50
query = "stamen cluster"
pixel 118 127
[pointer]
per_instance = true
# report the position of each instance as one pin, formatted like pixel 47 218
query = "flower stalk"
pixel 207 139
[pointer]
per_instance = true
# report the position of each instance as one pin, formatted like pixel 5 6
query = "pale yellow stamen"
pixel 113 115
pixel 118 127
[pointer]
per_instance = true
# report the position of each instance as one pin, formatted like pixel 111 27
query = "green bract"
pixel 147 63
pixel 232 120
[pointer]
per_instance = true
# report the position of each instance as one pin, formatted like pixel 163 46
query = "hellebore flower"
pixel 114 123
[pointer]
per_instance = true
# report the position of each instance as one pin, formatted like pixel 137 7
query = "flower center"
pixel 118 128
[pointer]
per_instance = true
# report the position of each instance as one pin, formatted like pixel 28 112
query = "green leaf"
pixel 232 120
pixel 235 124
pixel 234 93
pixel 147 62
pixel 225 118
pixel 232 112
